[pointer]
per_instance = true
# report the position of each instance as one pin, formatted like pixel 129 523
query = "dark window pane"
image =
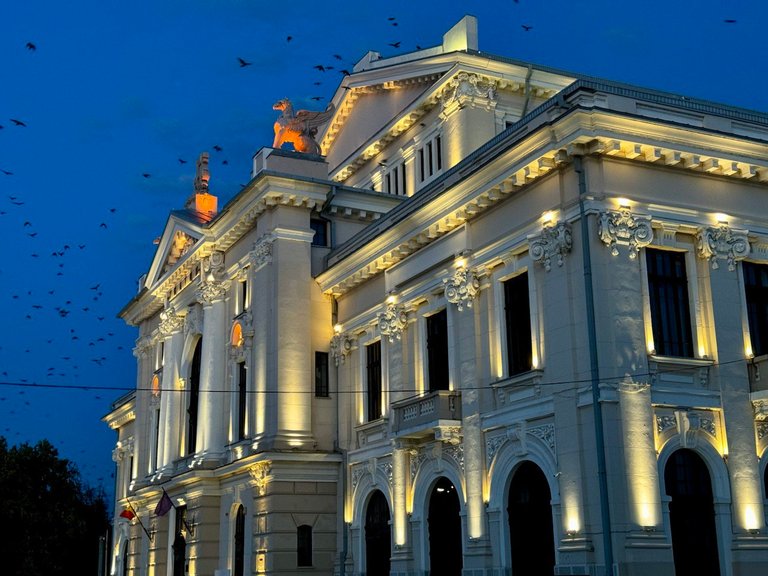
pixel 304 545
pixel 437 351
pixel 242 399
pixel 670 312
pixel 320 228
pixel 373 372
pixel 517 316
pixel 321 374
pixel 756 288
pixel 194 393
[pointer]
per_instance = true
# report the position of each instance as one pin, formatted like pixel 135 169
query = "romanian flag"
pixel 164 505
pixel 128 513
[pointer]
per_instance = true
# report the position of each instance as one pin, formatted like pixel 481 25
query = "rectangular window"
pixel 756 289
pixel 373 380
pixel 243 296
pixel 517 319
pixel 304 545
pixel 321 374
pixel 320 228
pixel 242 399
pixel 394 180
pixel 430 158
pixel 670 311
pixel 156 439
pixel 437 351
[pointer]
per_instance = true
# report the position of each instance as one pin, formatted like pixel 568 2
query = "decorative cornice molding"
pixel 553 242
pixel 624 228
pixel 392 322
pixel 143 347
pixel 462 287
pixel 722 243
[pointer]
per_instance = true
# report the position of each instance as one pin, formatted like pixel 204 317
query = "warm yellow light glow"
pixel 548 217
pixel 572 527
pixel 155 385
pixel 751 522
pixel 391 299
pixel 748 352
pixel 460 263
pixel 650 346
pixel 337 328
pixel 623 202
pixel 721 218
pixel 702 352
pixel 237 335
pixel 534 361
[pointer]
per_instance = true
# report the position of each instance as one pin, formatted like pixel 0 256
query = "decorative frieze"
pixel 417 459
pixel 143 347
pixel 456 453
pixel 358 471
pixel 123 449
pixel 553 242
pixel 392 322
pixel 170 320
pixel 665 422
pixel 761 429
pixel 341 347
pixel 462 287
pixel 385 468
pixel 261 254
pixel 545 433
pixel 722 243
pixel 623 228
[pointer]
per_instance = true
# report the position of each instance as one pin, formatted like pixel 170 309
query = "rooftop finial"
pixel 202 175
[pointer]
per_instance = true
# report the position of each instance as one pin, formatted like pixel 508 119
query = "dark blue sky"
pixel 114 90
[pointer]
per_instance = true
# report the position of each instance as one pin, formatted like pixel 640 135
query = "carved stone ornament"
pixel 260 475
pixel 261 254
pixel 722 243
pixel 761 429
pixel 761 410
pixel 553 242
pixel 213 284
pixel 143 347
pixel 392 322
pixel 461 288
pixel 341 346
pixel 626 229
pixel 468 90
pixel 193 321
pixel 170 321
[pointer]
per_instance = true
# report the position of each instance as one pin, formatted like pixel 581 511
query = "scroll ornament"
pixel 392 322
pixel 553 242
pixel 723 243
pixel 461 288
pixel 624 228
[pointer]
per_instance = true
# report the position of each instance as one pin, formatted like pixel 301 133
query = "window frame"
pixel 304 550
pixel 439 345
pixel 429 158
pixel 367 371
pixel 755 331
pixel 322 374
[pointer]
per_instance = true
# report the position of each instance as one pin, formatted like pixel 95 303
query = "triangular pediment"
pixel 178 239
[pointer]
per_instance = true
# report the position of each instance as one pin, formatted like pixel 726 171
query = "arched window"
pixel 532 539
pixel 445 553
pixel 691 514
pixel 236 338
pixel 304 545
pixel 378 540
pixel 194 393
pixel 239 542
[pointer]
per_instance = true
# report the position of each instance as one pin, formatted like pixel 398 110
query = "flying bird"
pixel 319 67
pixel 31 46
pixel 316 98
pixel 18 122
pixel 729 21
pixel 243 63
pixel 394 44
pixel 182 161
pixel 6 172
pixel 526 27
pixel 288 38
pixel 147 175
pixel 338 57
pixel 217 148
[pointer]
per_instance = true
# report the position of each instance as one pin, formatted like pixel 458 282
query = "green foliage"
pixel 51 521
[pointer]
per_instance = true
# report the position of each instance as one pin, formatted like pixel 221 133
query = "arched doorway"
pixel 194 394
pixel 691 514
pixel 378 540
pixel 239 563
pixel 445 550
pixel 531 535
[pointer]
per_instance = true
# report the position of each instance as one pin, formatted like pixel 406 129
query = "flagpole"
pixel 136 515
pixel 184 518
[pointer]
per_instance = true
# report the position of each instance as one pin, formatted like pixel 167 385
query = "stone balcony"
pixel 427 416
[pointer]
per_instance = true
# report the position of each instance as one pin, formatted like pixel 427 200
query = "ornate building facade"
pixel 509 321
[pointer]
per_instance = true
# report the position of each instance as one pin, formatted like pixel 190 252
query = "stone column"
pixel 171 325
pixel 260 270
pixel 212 421
pixel 289 360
